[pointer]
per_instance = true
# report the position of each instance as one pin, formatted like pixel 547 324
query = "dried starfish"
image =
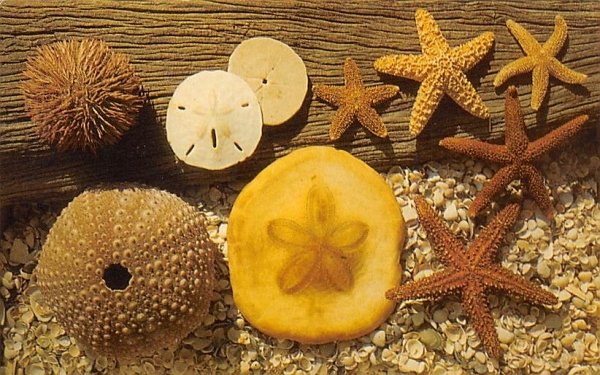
pixel 441 69
pixel 540 60
pixel 471 272
pixel 323 251
pixel 355 101
pixel 517 155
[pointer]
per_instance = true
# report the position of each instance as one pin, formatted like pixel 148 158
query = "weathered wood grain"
pixel 169 40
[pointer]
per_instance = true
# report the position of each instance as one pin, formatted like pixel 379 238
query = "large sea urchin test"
pixel 81 95
pixel 128 271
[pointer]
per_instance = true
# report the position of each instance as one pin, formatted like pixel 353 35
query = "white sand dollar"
pixel 275 72
pixel 213 120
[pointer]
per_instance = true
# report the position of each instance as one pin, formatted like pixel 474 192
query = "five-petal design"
pixel 322 250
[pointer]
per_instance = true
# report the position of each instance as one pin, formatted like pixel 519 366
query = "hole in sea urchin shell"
pixel 116 277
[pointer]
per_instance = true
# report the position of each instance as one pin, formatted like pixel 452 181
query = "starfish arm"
pixel 564 74
pixel 467 55
pixel 330 94
pixel 447 281
pixel 514 133
pixel 431 38
pixel 341 121
pixel 475 305
pixel 445 244
pixel 477 149
pixel 558 37
pixel 381 93
pixel 537 190
pixel 555 138
pixel 369 118
pixel 526 40
pixel 352 76
pixel 522 65
pixel 540 81
pixel 501 279
pixel 464 94
pixel 484 247
pixel 428 97
pixel 407 66
pixel 503 177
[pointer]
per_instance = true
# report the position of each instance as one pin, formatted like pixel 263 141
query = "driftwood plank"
pixel 169 40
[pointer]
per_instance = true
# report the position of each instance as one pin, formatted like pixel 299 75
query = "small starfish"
pixel 441 70
pixel 471 272
pixel 355 101
pixel 517 155
pixel 323 251
pixel 540 60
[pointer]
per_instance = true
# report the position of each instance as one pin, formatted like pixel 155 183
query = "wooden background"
pixel 169 40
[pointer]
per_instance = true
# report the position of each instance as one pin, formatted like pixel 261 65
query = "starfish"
pixel 441 70
pixel 517 155
pixel 471 272
pixel 324 252
pixel 540 60
pixel 355 101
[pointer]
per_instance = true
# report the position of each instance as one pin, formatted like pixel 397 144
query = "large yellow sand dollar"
pixel 314 243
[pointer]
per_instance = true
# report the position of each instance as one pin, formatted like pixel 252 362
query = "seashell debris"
pixel 560 340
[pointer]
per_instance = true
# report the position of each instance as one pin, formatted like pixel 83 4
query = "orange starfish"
pixel 441 70
pixel 517 155
pixel 540 60
pixel 471 272
pixel 355 101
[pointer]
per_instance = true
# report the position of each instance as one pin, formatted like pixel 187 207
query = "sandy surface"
pixel 419 337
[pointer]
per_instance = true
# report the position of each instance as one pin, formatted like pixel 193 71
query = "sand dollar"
pixel 275 72
pixel 314 243
pixel 213 120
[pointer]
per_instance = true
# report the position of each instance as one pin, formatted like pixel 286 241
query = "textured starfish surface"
pixel 517 155
pixel 471 273
pixel 324 249
pixel 441 69
pixel 540 60
pixel 355 101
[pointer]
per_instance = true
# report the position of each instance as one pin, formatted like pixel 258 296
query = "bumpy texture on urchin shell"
pixel 163 243
pixel 81 95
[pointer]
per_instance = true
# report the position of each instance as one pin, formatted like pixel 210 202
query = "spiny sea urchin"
pixel 81 94
pixel 128 270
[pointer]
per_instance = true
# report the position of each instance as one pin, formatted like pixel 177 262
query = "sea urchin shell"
pixel 128 271
pixel 81 94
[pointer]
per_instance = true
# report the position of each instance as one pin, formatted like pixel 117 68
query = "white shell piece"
pixel 213 120
pixel 275 72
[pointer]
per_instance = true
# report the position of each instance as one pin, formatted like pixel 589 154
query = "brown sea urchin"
pixel 127 271
pixel 81 95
